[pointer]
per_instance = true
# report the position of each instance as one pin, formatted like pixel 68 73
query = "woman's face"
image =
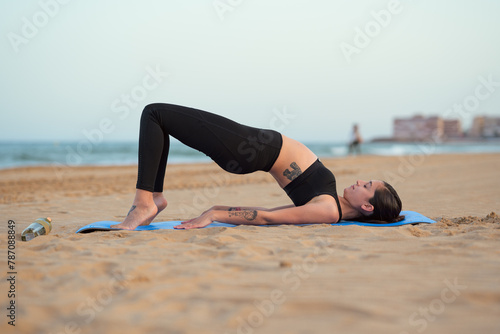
pixel 359 194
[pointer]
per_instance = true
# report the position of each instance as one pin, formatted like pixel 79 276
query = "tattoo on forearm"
pixel 234 209
pixel 131 209
pixel 296 171
pixel 246 214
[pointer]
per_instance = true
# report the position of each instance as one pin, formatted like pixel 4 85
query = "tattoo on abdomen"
pixel 296 171
pixel 247 214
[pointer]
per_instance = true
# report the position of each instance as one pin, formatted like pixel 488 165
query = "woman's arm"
pixel 320 212
pixel 228 208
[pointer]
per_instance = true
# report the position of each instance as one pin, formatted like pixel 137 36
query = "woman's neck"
pixel 348 211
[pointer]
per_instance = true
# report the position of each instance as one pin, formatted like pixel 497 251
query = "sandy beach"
pixel 426 278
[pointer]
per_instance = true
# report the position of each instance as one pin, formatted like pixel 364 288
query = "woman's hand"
pixel 205 219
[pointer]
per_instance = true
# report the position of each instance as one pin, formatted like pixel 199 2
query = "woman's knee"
pixel 150 111
pixel 156 108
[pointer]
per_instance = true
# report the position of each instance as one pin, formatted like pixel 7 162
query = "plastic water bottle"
pixel 40 226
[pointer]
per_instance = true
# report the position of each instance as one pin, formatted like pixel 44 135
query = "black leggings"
pixel 236 148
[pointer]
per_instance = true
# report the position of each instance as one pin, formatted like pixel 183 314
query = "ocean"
pixel 84 153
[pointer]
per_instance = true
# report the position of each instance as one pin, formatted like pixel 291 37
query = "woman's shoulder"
pixel 327 205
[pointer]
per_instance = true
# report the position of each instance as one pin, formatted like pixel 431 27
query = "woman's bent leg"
pixel 154 145
pixel 234 147
pixel 153 153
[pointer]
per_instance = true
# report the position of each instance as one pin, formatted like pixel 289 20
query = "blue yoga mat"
pixel 411 217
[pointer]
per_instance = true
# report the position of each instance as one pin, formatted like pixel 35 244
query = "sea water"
pixel 21 154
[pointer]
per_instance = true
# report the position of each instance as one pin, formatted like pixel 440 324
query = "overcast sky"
pixel 78 69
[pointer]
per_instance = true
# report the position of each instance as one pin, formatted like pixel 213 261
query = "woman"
pixel 356 140
pixel 242 149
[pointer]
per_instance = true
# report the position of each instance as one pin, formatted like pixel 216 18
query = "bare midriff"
pixel 294 158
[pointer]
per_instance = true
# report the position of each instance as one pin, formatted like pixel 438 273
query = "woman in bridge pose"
pixel 241 149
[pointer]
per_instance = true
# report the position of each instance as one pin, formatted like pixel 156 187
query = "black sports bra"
pixel 314 181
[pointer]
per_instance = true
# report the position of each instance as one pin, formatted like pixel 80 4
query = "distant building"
pixel 476 130
pixel 491 127
pixel 424 128
pixel 452 128
pixel 485 127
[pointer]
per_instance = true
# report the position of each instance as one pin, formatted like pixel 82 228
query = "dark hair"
pixel 387 207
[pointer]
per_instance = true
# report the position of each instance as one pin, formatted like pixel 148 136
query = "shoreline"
pixel 125 154
pixel 450 140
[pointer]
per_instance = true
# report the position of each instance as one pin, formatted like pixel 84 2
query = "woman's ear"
pixel 367 207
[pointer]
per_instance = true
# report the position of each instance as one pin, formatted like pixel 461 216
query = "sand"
pixel 438 278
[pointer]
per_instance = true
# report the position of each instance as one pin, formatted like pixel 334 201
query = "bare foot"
pixel 161 204
pixel 138 215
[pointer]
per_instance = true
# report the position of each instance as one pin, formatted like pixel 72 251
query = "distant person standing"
pixel 355 141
